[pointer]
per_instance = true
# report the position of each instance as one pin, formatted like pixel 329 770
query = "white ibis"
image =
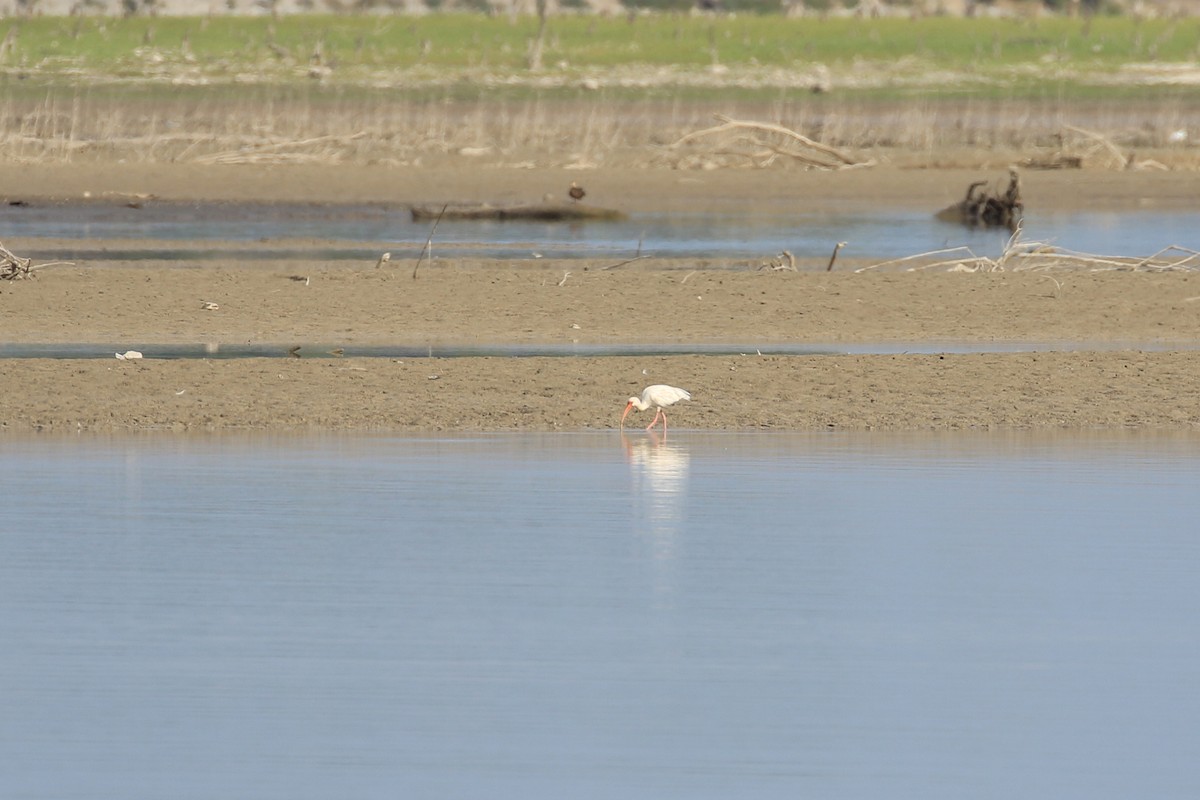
pixel 576 191
pixel 658 396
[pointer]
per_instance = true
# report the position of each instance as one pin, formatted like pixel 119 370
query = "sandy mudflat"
pixel 629 188
pixel 1136 334
pixel 902 392
pixel 342 306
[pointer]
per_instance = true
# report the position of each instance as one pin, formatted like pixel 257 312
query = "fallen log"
pixel 536 212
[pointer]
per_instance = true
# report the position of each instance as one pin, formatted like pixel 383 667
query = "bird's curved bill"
pixel 626 414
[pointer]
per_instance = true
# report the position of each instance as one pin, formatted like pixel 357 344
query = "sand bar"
pixel 1129 342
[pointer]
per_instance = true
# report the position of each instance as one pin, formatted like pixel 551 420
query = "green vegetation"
pixel 441 49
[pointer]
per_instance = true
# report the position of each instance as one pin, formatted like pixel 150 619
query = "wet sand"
pixel 1134 336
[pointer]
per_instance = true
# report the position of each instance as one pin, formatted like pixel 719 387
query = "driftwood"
pixel 540 212
pixel 14 267
pixel 784 262
pixel 765 137
pixel 981 208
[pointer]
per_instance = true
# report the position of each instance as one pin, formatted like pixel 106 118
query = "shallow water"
pixel 215 350
pixel 869 233
pixel 598 616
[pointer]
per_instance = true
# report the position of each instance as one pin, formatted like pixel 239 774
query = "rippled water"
pixel 870 233
pixel 598 616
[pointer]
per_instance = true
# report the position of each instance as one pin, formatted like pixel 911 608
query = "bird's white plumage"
pixel 658 397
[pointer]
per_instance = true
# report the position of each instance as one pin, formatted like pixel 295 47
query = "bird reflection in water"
pixel 659 473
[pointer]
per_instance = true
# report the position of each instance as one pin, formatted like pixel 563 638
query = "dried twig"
pixel 833 257
pixel 14 267
pixel 1040 257
pixel 784 262
pixel 429 242
pixel 1192 256
pixel 1057 283
pixel 623 263
pixel 917 256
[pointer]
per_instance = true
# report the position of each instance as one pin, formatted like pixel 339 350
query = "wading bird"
pixel 659 397
pixel 576 191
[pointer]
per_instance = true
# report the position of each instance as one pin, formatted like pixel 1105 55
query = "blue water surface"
pixel 600 616
pixel 364 231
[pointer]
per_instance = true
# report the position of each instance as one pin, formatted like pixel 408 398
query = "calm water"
pixel 871 233
pixel 212 350
pixel 582 616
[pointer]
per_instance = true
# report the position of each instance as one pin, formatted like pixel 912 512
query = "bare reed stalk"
pixel 428 248
pixel 1041 257
pixel 537 46
pixel 65 124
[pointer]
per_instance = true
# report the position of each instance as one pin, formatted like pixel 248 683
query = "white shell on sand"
pixel 129 355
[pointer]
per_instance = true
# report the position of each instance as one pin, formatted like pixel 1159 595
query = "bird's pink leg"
pixel 657 411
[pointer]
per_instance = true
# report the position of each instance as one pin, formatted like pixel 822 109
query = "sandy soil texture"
pixel 900 392
pixel 628 188
pixel 1135 335
pixel 340 306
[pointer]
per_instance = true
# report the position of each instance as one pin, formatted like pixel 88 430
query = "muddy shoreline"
pixel 1129 341
pixel 629 189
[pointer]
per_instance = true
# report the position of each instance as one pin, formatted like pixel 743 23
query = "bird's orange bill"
pixel 626 414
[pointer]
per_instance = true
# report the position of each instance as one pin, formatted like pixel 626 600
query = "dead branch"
pixel 836 158
pixel 803 158
pixel 1120 158
pixel 784 262
pixel 14 267
pixel 804 140
pixel 1021 256
pixel 833 257
pixel 623 263
pixel 1192 256
pixel 917 256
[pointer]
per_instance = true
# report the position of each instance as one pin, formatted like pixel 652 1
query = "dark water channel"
pixel 216 350
pixel 280 231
